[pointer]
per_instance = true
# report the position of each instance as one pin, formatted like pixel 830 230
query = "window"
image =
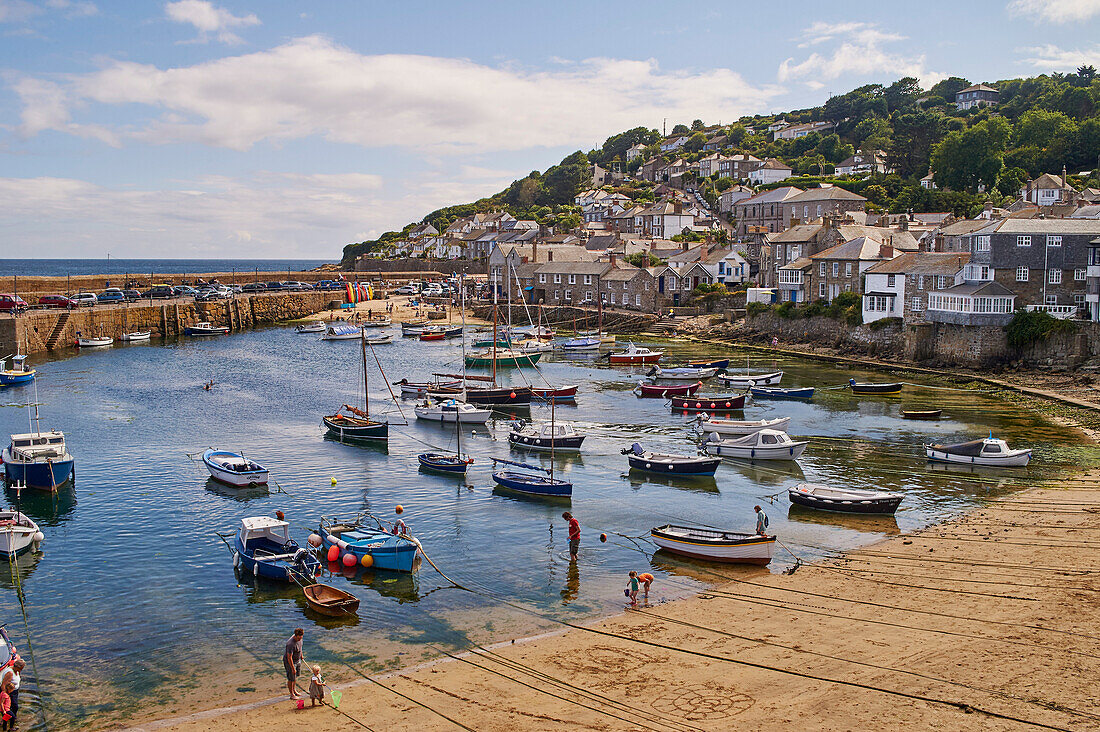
pixel 1078 275
pixel 638 300
pixel 557 279
pixel 1054 277
pixel 588 279
pixel 672 282
pixel 568 294
pixel 1021 274
pixel 647 285
pixel 941 282
pixel 624 285
pixel 847 269
pixel 983 243
pixel 1054 241
pixel 542 279
pixel 890 280
pixel 572 279
pixel 1051 300
pixel 612 298
pixel 836 269
pixel 916 305
pixel 822 290
pixel 588 294
pixel 557 294
pixel 1023 241
pixel 795 251
pixel 877 304
pixel 823 269
pixel 847 286
pixel 1079 300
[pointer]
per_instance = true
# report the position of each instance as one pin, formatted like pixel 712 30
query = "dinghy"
pixel 92 341
pixel 18 373
pixel 357 538
pixel 317 326
pixel 330 601
pixel 737 427
pixel 763 444
pixel 451 411
pixel 263 547
pixel 775 392
pixel 415 327
pixel 665 464
pixel 232 468
pixel 530 482
pixel 558 393
pixel 635 355
pixel 845 500
pixel 664 391
pixel 380 322
pixel 714 545
pixel 504 358
pixel 136 336
pixel 18 534
pixel 870 388
pixel 927 414
pixel 548 436
pixel 747 380
pixel 680 374
pixel 713 404
pixel 987 451
pixel 720 364
pixel 586 344
pixel 342 332
pixel 444 463
pixel 422 388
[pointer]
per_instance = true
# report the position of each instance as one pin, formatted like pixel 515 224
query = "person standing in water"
pixel 761 521
pixel 574 535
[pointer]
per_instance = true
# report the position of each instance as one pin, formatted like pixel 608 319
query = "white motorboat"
pixel 581 344
pixel 635 355
pixel 747 380
pixel 317 326
pixel 987 451
pixel 547 436
pixel 342 332
pixel 93 341
pixel 533 345
pixel 737 427
pixel 763 444
pixel 135 336
pixel 689 374
pixel 18 533
pixel 233 468
pixel 450 411
pixel 204 328
pixel 715 545
pixel 381 322
pixel 379 339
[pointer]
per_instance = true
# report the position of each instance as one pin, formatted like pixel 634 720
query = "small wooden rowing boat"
pixel 664 391
pixel 775 392
pixel 330 601
pixel 921 414
pixel 712 404
pixel 531 483
pixel 437 335
pixel 844 500
pixel 747 380
pixel 708 424
pixel 232 468
pixel 721 363
pixel 715 545
pixel 681 374
pixel 559 394
pixel 871 388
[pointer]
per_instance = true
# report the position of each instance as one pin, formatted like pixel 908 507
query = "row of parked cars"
pixel 202 293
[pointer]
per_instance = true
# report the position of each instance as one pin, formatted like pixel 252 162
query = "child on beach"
pixel 633 589
pixel 316 687
pixel 5 706
pixel 646 579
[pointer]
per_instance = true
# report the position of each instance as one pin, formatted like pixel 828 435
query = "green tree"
pixel 872 133
pixel 901 94
pixel 910 146
pixel 695 142
pixel 970 158
pixel 1011 182
pixel 723 184
pixel 736 134
pixel 680 130
pixel 949 87
pixel 698 125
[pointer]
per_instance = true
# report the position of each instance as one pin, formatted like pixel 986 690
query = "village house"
pixel 738 166
pixel 567 283
pixel 840 268
pixel 1048 190
pixel 626 286
pixel 863 163
pixel 673 143
pixel 635 151
pixel 971 302
pixel 899 287
pixel 817 202
pixel 708 166
pixel 715 143
pixel 728 198
pixel 663 219
pixel 767 210
pixel 770 171
pixel 978 95
pixel 793 132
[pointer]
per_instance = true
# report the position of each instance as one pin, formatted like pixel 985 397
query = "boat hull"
pixel 387 551
pixel 664 391
pixel 536 442
pixel 786 451
pixel 436 414
pixel 722 363
pixel 135 337
pixel 239 479
pixel 713 405
pixel 533 485
pixel 1015 459
pixel 623 359
pixel 670 465
pixel 356 429
pixel 751 550
pixel 561 394
pixel 745 381
pixel 215 331
pixel 740 429
pixel 877 506
pixel 45 475
pixel 17 534
pixel 763 392
pixel 443 463
pixel 930 414
pixel 500 395
pixel 514 361
pixel 330 601
pixel 305 565
pixel 876 388
pixel 13 379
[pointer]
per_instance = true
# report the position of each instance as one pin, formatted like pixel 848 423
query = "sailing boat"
pixel 37 459
pixel 445 462
pixel 501 358
pixel 357 424
pixel 531 483
pixel 132 336
pixel 495 394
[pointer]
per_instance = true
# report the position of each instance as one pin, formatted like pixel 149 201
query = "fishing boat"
pixel 204 328
pixel 664 391
pixel 92 341
pixel 136 336
pixel 505 358
pixel 444 462
pixel 415 327
pixel 844 500
pixel 530 482
pixel 233 468
pixel 353 423
pixel 550 436
pixel 680 374
pixel 715 545
pixel 18 373
pixel 378 339
pixel 926 414
pixel 870 388
pixel 330 601
pixel 421 388
pixel 775 392
pixel 451 411
pixel 37 459
pixel 342 332
pixel 713 404
pixel 391 548
pixel 986 451
pixel 635 355
pixel 737 427
pixel 763 444
pixel 433 335
pixel 263 547
pixel 747 380
pixel 720 364
pixel 557 393
pixel 500 395
pixel 317 326
pixel 379 322
pixel 18 534
pixel 583 344
pixel 665 464
pixel 533 345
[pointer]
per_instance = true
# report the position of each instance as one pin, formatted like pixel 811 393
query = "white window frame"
pixel 572 279
pixel 638 300
pixel 1051 299
pixel 542 278
pixel 983 243
pixel 1023 241
pixel 1022 273
pixel 612 298
pixel 1054 276
pixel 836 269
pixel 822 269
pixel 588 294
pixel 822 290
pixel 557 294
pixel 847 269
pixel 557 279
pixel 1054 240
pixel 1079 274
pixel 890 280
pixel 588 279
pixel 916 305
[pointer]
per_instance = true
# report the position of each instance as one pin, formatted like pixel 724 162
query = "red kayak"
pixel 664 391
pixel 559 394
pixel 712 404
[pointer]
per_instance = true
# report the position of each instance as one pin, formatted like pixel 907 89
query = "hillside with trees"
pixel 1039 125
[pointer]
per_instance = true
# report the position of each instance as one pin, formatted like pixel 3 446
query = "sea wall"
pixel 407 266
pixel 884 341
pixel 31 288
pixel 42 330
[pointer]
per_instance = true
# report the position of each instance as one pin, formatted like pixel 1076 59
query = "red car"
pixel 12 304
pixel 55 301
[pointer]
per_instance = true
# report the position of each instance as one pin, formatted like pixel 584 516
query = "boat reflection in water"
pixel 775 472
pixel 886 524
pixel 22 567
pixel 702 570
pixel 696 483
pixel 401 586
pixel 47 509
pixel 243 494
pixel 382 447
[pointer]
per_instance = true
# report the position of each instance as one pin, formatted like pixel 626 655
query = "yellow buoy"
pixel 367 560
pixel 334 481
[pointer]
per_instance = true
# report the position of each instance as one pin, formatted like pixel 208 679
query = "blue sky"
pixel 196 128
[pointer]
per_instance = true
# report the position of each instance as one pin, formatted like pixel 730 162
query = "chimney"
pixel 904 224
pixel 535 250
pixel 1063 176
pixel 1027 191
pixel 612 253
pixel 549 255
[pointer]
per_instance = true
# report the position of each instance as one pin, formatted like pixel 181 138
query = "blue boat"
pixel 774 392
pixel 386 549
pixel 18 373
pixel 530 483
pixel 722 363
pixel 263 547
pixel 37 459
pixel 443 463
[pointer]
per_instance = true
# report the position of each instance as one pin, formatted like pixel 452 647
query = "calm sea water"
pixel 135 610
pixel 138 267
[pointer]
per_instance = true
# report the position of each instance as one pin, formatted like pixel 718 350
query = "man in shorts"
pixel 574 535
pixel 292 661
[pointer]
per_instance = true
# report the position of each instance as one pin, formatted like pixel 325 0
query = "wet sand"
pixel 989 621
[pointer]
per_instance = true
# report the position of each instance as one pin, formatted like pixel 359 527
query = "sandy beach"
pixel 987 621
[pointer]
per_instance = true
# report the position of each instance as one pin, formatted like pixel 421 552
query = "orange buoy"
pixel 603 538
pixel 333 553
pixel 367 561
pixel 350 560
pixel 512 395
pixel 399 509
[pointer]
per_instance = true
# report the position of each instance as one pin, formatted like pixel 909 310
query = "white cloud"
pixel 312 86
pixel 860 53
pixel 17 11
pixel 209 20
pixel 1056 58
pixel 1055 11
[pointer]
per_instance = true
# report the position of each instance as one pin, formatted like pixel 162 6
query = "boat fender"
pixel 314 540
pixel 236 559
pixel 342 544
pixel 350 560
pixel 333 553
pixel 713 437
pixel 367 561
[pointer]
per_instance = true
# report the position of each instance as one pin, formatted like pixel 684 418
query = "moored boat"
pixel 355 425
pixel 872 388
pixel 415 327
pixel 136 336
pixel 499 395
pixel 720 363
pixel 664 391
pixel 530 482
pixel 443 462
pixel 317 326
pixel 451 411
pixel 713 404
pixel 37 459
pixel 708 424
pixel 18 534
pixel 549 436
pixel 581 345
pixel 385 548
pixel 421 388
pixel 665 464
pixel 204 328
pixel 329 600
pixel 635 355
pixel 844 500
pixel 775 392
pixel 18 373
pixel 92 341
pixel 926 414
pixel 763 444
pixel 505 358
pixel 748 380
pixel 715 545
pixel 263 547
pixel 558 393
pixel 342 332
pixel 986 451
pixel 680 374
pixel 233 468
pixel 433 335
pixel 376 322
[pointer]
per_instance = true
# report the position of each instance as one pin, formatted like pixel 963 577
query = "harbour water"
pixel 143 267
pixel 134 610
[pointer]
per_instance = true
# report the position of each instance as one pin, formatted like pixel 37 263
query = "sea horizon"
pixel 61 267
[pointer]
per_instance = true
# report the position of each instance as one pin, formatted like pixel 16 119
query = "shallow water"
pixel 135 610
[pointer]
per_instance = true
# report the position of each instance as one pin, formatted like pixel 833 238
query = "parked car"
pixel 304 286
pixel 327 285
pixel 56 301
pixel 234 288
pixel 12 304
pixel 131 295
pixel 254 287
pixel 184 291
pixel 273 286
pixel 408 290
pixel 85 298
pixel 111 294
pixel 159 291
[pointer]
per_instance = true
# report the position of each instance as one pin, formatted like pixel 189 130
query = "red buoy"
pixel 333 553
pixel 603 538
pixel 350 560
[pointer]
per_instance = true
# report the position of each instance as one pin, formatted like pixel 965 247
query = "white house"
pixel 771 171
pixel 635 151
pixel 1047 190
pixel 673 143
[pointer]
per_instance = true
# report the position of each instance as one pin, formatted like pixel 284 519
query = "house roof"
pixel 622 273
pixel 977 87
pixel 773 164
pixel 862 249
pixel 776 195
pixel 898 239
pixel 926 263
pixel 979 289
pixel 1048 226
pixel 1091 211
pixel 800 263
pixel 965 226
pixel 601 242
pixel 582 268
pixel 797 234
pixel 831 193
pixel 1048 181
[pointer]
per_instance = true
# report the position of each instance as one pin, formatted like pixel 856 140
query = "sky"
pixel 202 128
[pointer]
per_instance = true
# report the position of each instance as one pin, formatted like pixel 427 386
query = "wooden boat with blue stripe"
pixel 263 547
pixel 775 392
pixel 18 373
pixel 844 500
pixel 396 552
pixel 355 426
pixel 869 388
pixel 531 483
pixel 444 463
pixel 715 545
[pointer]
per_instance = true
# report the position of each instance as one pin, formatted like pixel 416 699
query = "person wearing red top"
pixel 5 705
pixel 646 579
pixel 574 535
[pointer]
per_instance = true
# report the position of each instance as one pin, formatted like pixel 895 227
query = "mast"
pixel 494 335
pixel 366 390
pixel 553 401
